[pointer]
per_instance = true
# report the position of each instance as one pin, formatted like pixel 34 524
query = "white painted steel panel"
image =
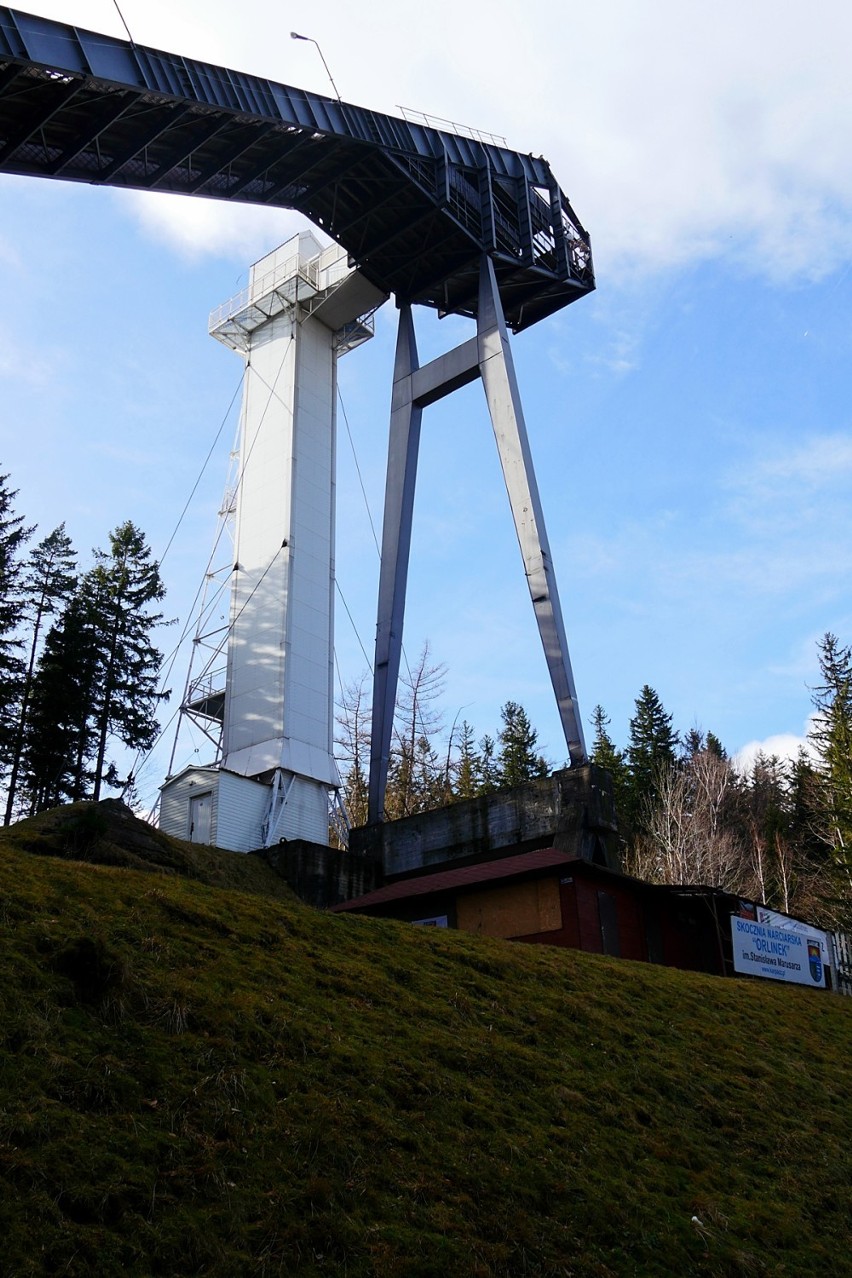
pixel 313 622
pixel 313 474
pixel 243 804
pixel 302 699
pixel 309 761
pixel 254 760
pixel 305 815
pixel 279 706
pixel 307 728
pixel 176 797
pixel 271 641
pixel 311 598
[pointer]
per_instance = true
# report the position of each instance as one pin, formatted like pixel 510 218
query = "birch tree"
pixel 690 835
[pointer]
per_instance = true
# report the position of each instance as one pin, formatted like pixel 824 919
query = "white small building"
pixel 211 805
pixel 304 306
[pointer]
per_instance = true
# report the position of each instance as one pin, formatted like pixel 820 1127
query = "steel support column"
pixel 403 447
pixel 497 370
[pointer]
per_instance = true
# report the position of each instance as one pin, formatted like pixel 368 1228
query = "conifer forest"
pixel 79 677
pixel 78 666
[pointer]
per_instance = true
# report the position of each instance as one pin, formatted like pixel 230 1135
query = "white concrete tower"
pixel 301 310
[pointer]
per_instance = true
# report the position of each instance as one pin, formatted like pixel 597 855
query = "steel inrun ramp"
pixel 414 206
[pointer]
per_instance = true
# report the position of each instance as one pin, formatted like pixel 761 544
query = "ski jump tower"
pixel 266 695
pixel 441 217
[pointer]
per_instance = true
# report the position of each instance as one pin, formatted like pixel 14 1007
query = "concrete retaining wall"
pixel 572 810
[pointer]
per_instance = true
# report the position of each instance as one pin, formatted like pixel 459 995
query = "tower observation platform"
pixel 414 206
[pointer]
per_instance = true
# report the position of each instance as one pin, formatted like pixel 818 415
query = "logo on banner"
pixel 815 961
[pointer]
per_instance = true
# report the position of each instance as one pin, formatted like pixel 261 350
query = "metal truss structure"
pixel 414 206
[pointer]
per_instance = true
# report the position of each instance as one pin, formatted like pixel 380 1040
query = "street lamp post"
pixel 294 35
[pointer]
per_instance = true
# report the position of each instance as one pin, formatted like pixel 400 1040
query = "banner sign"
pixel 774 919
pixel 762 949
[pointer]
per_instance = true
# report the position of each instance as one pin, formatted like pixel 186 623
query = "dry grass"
pixel 200 1080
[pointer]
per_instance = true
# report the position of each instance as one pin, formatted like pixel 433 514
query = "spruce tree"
pixel 399 792
pixel 58 743
pixel 489 768
pixel 605 754
pixel 806 792
pixel 120 589
pixel 693 743
pixel 13 538
pixel 650 750
pixel 831 738
pixel 96 678
pixel 766 809
pixel 468 768
pixel 429 779
pixel 49 581
pixel 518 760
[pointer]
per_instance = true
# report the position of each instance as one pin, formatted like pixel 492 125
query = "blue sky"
pixel 690 421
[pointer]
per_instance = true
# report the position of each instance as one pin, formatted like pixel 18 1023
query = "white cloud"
pixel 714 129
pixel 35 366
pixel 619 353
pixel 783 745
pixel 786 514
pixel 204 228
pixel 822 460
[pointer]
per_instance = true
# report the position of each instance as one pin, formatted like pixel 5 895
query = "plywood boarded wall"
pixel 519 910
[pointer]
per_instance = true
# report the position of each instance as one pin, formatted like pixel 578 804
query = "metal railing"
pixel 261 286
pixel 451 126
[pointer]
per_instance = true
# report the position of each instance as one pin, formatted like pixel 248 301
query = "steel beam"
pixel 459 367
pixel 403 447
pixel 215 125
pixel 165 119
pixel 113 109
pixel 255 138
pixel 35 123
pixel 497 369
pixel 340 169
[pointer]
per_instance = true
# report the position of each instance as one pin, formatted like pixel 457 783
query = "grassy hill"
pixel 201 1075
